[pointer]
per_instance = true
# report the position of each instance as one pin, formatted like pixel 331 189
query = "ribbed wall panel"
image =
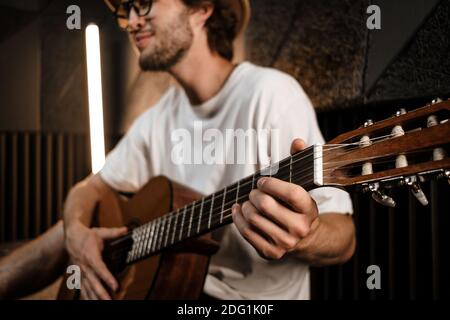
pixel 36 172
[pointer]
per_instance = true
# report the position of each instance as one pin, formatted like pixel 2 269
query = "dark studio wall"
pixel 326 46
pixel 19 68
pixel 43 65
pixel 349 72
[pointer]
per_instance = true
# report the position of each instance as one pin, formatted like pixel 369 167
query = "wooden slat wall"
pixel 36 172
pixel 2 188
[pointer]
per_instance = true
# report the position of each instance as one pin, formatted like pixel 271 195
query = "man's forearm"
pixel 331 241
pixel 81 201
pixel 34 265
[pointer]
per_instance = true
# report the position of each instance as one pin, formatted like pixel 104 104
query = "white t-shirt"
pixel 253 98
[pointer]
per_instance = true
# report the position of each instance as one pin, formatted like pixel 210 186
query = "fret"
pixel 147 240
pixel 256 176
pixel 246 186
pixel 134 236
pixel 143 237
pixel 182 222
pixel 237 192
pixel 135 244
pixel 157 226
pixel 190 220
pixel 130 256
pixel 150 238
pixel 253 181
pixel 211 210
pixel 200 217
pixel 161 231
pixel 283 170
pixel 147 235
pixel 139 242
pixel 230 197
pixel 175 226
pixel 223 204
pixel 306 163
pixel 169 219
pixel 290 170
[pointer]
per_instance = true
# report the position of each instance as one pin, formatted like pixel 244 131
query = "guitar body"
pixel 177 273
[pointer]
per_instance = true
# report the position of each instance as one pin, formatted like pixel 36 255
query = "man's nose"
pixel 135 22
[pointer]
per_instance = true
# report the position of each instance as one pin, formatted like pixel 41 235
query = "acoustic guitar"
pixel 166 253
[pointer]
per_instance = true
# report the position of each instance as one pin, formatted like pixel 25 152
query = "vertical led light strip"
pixel 94 73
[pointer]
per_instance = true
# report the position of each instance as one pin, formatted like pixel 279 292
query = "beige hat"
pixel 240 7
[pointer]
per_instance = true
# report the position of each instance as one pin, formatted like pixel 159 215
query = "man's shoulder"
pixel 143 122
pixel 265 78
pixel 169 97
pixel 273 87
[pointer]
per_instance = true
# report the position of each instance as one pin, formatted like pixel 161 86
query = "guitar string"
pixel 215 212
pixel 361 160
pixel 224 216
pixel 220 194
pixel 285 177
pixel 145 233
pixel 162 234
pixel 158 237
pixel 329 146
pixel 198 202
pixel 211 218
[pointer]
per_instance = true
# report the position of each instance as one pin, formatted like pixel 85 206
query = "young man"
pixel 266 252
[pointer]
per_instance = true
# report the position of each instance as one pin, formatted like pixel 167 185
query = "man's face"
pixel 163 36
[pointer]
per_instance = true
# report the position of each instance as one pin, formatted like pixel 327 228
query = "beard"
pixel 172 41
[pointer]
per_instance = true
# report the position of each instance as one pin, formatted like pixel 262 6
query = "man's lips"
pixel 142 39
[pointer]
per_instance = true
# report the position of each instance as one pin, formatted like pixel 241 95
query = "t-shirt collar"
pixel 208 108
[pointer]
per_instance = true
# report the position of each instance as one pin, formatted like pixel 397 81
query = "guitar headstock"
pixel 404 150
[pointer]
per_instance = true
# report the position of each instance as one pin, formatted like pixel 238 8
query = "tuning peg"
pixel 400 112
pixel 368 123
pixel 416 190
pixel 379 196
pixel 412 182
pixel 432 121
pixel 436 100
pixel 446 175
pixel 438 153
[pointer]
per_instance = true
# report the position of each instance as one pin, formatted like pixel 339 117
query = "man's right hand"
pixel 85 247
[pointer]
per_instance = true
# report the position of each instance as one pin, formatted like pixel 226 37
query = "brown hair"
pixel 221 26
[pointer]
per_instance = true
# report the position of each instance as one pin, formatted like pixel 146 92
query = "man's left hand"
pixel 277 216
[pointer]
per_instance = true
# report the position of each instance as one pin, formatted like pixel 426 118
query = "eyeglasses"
pixel 122 12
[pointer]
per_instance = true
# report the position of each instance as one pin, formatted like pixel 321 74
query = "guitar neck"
pixel 213 211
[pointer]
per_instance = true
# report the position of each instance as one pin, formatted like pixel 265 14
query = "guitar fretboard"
pixel 214 211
